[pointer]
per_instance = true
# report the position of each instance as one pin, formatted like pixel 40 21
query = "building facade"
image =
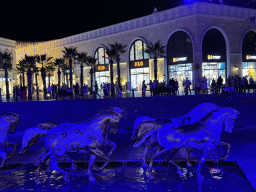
pixel 201 39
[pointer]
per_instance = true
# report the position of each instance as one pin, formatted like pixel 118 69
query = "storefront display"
pixel 249 70
pixel 139 65
pixel 181 72
pixel 213 70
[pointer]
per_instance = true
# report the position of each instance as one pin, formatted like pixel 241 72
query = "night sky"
pixel 47 20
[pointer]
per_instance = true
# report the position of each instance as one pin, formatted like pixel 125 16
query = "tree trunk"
pixel 118 73
pixel 112 77
pixel 91 73
pixel 82 78
pixel 23 77
pixel 70 74
pixel 44 80
pixel 6 82
pixel 37 91
pixel 49 79
pixel 155 68
pixel 59 79
pixel 29 75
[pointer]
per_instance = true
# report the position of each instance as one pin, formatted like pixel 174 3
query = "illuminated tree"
pixel 91 61
pixel 70 54
pixel 155 51
pixel 82 58
pixel 5 63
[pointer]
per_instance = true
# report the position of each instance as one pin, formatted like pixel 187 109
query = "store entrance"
pixel 181 72
pixel 102 77
pixel 213 70
pixel 137 77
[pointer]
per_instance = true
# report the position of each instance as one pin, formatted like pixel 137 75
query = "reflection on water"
pixel 128 179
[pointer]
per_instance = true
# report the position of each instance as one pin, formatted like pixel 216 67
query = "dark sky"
pixel 46 20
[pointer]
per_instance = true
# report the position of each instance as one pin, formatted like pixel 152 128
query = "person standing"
pixel 151 87
pixel 85 88
pixel 213 85
pixel 144 86
pixel 205 84
pixel 96 89
pixel 154 88
pixel 187 86
pixel 198 86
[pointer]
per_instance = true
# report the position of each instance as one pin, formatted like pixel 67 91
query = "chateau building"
pixel 201 39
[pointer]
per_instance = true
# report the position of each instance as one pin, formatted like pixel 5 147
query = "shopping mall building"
pixel 202 39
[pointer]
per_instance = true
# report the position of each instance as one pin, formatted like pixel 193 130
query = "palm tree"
pixel 21 67
pixel 58 63
pixel 111 54
pixel 70 54
pixel 118 50
pixel 41 59
pixel 36 70
pixel 155 50
pixel 6 64
pixel 91 61
pixel 82 58
pixel 64 67
pixel 49 69
pixel 31 61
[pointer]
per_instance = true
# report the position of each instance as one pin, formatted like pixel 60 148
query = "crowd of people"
pixel 235 84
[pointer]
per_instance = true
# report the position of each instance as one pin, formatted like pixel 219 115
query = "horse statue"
pixel 86 137
pixel 203 133
pixel 8 125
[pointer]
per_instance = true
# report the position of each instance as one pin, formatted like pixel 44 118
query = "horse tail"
pixel 33 135
pixel 137 122
pixel 145 129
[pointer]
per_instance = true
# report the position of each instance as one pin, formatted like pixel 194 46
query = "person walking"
pixel 144 86
pixel 198 86
pixel 151 87
pixel 154 88
pixel 187 86
pixel 85 89
pixel 205 85
pixel 213 85
pixel 96 89
pixel 219 84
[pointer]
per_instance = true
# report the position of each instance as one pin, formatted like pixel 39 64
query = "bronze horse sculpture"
pixel 86 137
pixel 203 133
pixel 8 125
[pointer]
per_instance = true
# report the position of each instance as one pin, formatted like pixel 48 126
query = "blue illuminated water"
pixel 128 178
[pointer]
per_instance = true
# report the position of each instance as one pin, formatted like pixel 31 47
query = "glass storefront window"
pixel 102 77
pixel 213 70
pixel 137 77
pixel 181 72
pixel 249 69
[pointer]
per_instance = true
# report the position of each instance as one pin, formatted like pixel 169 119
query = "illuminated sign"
pixel 177 59
pixel 99 68
pixel 250 57
pixel 211 57
pixel 139 64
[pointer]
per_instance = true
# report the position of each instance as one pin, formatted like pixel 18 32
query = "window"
pixel 101 56
pixel 137 51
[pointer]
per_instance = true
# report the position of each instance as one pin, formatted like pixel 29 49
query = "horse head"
pixel 116 114
pixel 230 116
pixel 13 120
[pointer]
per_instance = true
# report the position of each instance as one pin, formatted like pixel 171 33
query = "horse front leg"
pixel 15 147
pixel 3 156
pixel 227 152
pixel 73 165
pixel 207 152
pixel 158 152
pixel 113 145
pixel 187 157
pixel 144 157
pixel 102 155
pixel 54 161
pixel 91 161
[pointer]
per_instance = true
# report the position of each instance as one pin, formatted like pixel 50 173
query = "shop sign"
pixel 212 57
pixel 250 57
pixel 99 68
pixel 139 64
pixel 177 59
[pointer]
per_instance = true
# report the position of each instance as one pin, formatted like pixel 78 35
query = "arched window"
pixel 249 55
pixel 139 64
pixel 101 56
pixel 214 56
pixel 180 57
pixel 102 66
pixel 137 51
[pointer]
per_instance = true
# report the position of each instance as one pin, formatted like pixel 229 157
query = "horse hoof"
pixel 66 177
pixel 180 173
pixel 92 179
pixel 144 165
pixel 189 164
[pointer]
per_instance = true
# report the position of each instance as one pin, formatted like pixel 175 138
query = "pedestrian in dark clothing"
pixel 96 89
pixel 144 86
pixel 151 87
